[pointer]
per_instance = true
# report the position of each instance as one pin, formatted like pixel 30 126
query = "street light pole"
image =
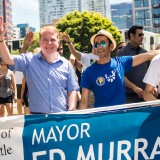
pixel 4 11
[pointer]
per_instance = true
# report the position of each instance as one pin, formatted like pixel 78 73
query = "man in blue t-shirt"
pixel 106 76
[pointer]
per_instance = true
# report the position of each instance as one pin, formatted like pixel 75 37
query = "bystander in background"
pixel 8 90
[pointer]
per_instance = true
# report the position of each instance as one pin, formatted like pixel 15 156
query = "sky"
pixel 28 11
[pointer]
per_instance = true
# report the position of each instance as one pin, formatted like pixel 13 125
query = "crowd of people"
pixel 51 83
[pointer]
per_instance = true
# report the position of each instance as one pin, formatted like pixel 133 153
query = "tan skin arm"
pixel 72 60
pixel 84 98
pixel 148 93
pixel 4 51
pixel 13 83
pixel 72 100
pixel 22 89
pixel 141 58
pixel 137 90
pixel 65 37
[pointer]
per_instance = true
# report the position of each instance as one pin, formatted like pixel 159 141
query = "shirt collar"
pixel 40 56
pixel 129 44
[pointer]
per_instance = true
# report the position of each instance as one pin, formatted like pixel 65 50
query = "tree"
pixel 35 43
pixel 82 25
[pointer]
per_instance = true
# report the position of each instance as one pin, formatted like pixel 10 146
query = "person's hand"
pixel 139 92
pixel 155 92
pixel 64 36
pixel 15 99
pixel 29 39
pixel 3 29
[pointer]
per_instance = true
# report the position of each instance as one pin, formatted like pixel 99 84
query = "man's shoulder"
pixel 142 50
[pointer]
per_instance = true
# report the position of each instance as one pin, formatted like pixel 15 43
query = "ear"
pixel 131 35
pixel 111 47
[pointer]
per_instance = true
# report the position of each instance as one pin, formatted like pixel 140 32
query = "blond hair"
pixel 47 28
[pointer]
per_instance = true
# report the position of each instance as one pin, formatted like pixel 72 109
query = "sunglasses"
pixel 102 44
pixel 140 34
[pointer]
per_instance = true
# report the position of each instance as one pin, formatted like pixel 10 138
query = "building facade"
pixel 122 15
pixel 6 13
pixel 52 10
pixel 146 13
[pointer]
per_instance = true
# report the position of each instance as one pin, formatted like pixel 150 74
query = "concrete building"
pixel 146 13
pixel 16 33
pixel 52 10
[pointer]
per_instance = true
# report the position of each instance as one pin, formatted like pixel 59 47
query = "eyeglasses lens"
pixel 141 34
pixel 103 44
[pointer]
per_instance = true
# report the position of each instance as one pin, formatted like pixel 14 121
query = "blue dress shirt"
pixel 48 83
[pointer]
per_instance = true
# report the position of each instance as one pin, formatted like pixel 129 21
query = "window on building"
pixel 141 3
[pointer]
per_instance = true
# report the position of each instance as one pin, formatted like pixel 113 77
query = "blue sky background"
pixel 28 11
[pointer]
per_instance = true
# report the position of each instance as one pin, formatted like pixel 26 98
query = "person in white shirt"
pixel 86 59
pixel 152 80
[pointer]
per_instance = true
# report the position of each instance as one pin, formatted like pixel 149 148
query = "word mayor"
pixel 122 148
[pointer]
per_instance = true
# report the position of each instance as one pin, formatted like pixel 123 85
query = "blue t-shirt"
pixel 107 81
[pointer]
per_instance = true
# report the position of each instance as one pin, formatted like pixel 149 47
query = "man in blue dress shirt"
pixel 51 79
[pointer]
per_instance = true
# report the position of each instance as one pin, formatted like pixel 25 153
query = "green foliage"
pixel 15 52
pixel 35 43
pixel 82 25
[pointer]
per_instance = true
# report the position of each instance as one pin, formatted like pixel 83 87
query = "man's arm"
pixel 72 100
pixel 4 51
pixel 14 86
pixel 148 93
pixel 84 98
pixel 65 37
pixel 141 58
pixel 137 90
pixel 28 40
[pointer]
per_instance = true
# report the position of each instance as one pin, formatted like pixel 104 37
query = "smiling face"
pixel 49 41
pixel 102 47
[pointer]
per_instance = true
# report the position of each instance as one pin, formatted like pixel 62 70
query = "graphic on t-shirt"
pixel 100 81
pixel 111 78
pixel 92 61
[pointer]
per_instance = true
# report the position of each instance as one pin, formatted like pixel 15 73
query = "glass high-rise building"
pixel 122 15
pixel 146 13
pixel 52 10
pixel 55 9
